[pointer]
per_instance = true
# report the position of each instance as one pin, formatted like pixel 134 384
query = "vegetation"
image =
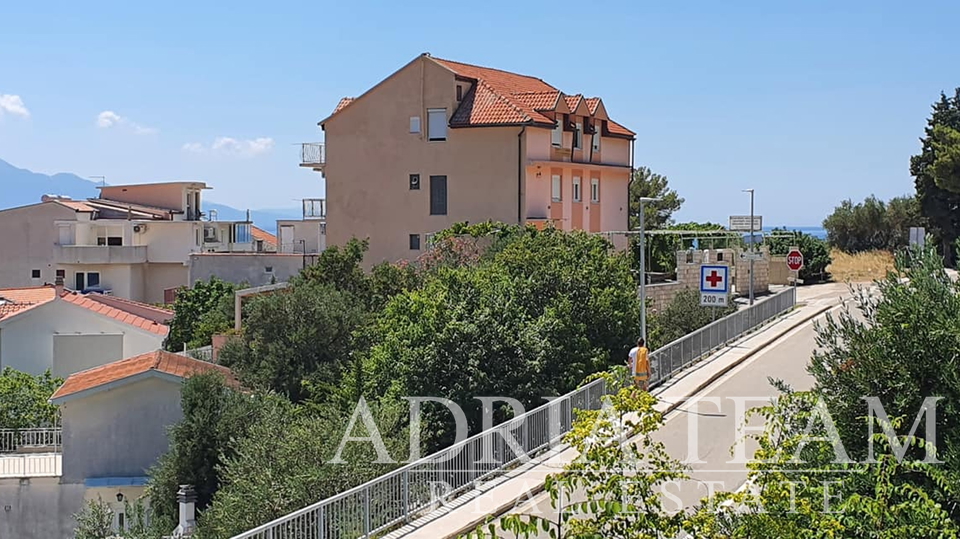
pixel 934 172
pixel 872 224
pixel 24 399
pixel 861 267
pixel 816 256
pixel 683 315
pixel 95 521
pixel 200 313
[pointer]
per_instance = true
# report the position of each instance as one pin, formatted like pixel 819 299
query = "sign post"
pixel 795 262
pixel 714 286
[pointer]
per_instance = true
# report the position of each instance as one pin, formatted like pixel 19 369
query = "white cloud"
pixel 13 104
pixel 108 119
pixel 232 146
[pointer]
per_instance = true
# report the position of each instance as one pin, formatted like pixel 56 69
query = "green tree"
pixel 683 315
pixel 872 224
pixel 946 165
pixel 939 206
pixel 816 255
pixel 284 464
pixel 94 521
pixel 24 399
pixel 657 214
pixel 303 333
pixel 613 489
pixel 199 313
pixel 214 417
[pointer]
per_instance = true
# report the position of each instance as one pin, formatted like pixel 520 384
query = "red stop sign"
pixel 795 260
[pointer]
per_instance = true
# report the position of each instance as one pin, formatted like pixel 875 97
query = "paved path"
pixel 780 350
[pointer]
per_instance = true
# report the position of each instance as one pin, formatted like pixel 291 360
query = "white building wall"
pixel 28 238
pixel 40 508
pixel 26 341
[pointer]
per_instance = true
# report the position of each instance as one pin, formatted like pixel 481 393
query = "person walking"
pixel 639 364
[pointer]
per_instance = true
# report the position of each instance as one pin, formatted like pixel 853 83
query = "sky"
pixel 809 102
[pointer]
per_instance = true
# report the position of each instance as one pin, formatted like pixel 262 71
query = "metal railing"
pixel 400 495
pixel 31 465
pixel 403 494
pixel 312 153
pixel 27 440
pixel 204 353
pixel 670 359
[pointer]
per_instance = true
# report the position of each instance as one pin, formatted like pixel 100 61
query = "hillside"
pixel 21 187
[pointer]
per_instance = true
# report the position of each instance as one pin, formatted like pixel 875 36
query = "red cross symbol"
pixel 714 279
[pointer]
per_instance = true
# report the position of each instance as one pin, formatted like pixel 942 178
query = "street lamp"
pixel 643 271
pixel 753 243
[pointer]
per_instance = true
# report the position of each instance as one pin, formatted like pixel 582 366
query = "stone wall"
pixel 688 274
pixel 761 280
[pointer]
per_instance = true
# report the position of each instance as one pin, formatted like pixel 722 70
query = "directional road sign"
pixel 746 255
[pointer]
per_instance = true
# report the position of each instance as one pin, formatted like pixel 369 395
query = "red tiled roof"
pixel 539 100
pixel 75 205
pixel 343 103
pixel 617 129
pixel 116 312
pixel 592 103
pixel 159 360
pixel 572 101
pixel 264 236
pixel 17 300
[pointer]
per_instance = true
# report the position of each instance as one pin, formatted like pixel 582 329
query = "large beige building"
pixel 440 142
pixel 134 241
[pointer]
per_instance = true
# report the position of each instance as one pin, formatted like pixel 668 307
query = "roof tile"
pixel 17 300
pixel 159 360
pixel 134 316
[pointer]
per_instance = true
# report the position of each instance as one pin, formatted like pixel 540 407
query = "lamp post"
pixel 643 270
pixel 753 242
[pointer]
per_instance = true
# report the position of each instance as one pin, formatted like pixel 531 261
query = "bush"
pixel 683 315
pixel 872 224
pixel 23 399
pixel 816 255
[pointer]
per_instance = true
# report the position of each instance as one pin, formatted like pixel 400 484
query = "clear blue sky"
pixel 808 102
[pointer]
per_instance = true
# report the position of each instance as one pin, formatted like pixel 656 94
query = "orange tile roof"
pixel 75 205
pixel 17 300
pixel 264 236
pixel 592 103
pixel 159 361
pixel 343 103
pixel 539 100
pixel 617 129
pixel 116 312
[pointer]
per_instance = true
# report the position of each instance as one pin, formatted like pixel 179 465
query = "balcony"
pixel 314 209
pixel 100 254
pixel 313 155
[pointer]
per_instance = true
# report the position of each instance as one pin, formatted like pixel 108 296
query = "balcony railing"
pixel 313 154
pixel 100 254
pixel 314 209
pixel 30 440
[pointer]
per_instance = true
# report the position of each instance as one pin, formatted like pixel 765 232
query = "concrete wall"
pixel 161 195
pixel 371 153
pixel 39 508
pixel 120 432
pixel 26 341
pixel 159 277
pixel 120 279
pixel 29 236
pixel 75 353
pixel 761 280
pixel 290 232
pixel 247 268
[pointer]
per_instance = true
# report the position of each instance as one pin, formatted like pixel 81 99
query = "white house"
pixel 47 327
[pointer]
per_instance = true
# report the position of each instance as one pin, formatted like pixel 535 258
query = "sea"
pixel 815 231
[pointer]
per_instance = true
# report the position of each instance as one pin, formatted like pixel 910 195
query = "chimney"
pixel 58 285
pixel 187 498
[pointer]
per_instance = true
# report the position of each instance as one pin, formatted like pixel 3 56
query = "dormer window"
pixel 578 136
pixel 459 92
pixel 556 137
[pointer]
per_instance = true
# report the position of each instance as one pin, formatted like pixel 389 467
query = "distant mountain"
pixel 21 187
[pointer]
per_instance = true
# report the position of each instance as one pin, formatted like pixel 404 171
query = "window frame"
pixel 431 113
pixel 595 190
pixel 578 136
pixel 556 136
pixel 577 189
pixel 556 187
pixel 89 284
pixel 596 136
pixel 415 244
pixel 35 274
pixel 436 202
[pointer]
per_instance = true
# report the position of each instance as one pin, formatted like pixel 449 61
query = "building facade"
pixel 440 142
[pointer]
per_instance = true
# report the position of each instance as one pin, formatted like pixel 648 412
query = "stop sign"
pixel 795 260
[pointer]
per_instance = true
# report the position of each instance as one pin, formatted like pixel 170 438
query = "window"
pixel 243 233
pixel 437 124
pixel 438 195
pixel 414 182
pixel 93 279
pixel 414 124
pixel 556 137
pixel 61 274
pixel 596 136
pixel 268 269
pixel 719 256
pixel 121 523
pixel 80 281
pixel 414 242
pixel 595 190
pixel 576 188
pixel 110 240
pixel 556 191
pixel 35 274
pixel 459 92
pixel 577 136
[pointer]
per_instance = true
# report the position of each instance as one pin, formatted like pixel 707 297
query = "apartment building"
pixel 439 142
pixel 133 241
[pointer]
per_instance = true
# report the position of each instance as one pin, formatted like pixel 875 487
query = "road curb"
pixel 499 511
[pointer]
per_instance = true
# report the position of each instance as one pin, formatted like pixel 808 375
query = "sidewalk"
pixel 507 491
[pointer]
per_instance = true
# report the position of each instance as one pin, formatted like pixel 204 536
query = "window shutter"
pixel 557 192
pixel 438 195
pixel 556 137
pixel 437 124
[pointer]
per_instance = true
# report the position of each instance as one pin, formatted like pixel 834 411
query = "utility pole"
pixel 103 179
pixel 753 243
pixel 643 271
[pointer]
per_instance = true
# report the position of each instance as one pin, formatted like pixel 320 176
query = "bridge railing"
pixel 670 359
pixel 401 495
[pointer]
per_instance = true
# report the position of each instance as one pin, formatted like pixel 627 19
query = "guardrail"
pixel 393 498
pixel 401 495
pixel 30 440
pixel 668 360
